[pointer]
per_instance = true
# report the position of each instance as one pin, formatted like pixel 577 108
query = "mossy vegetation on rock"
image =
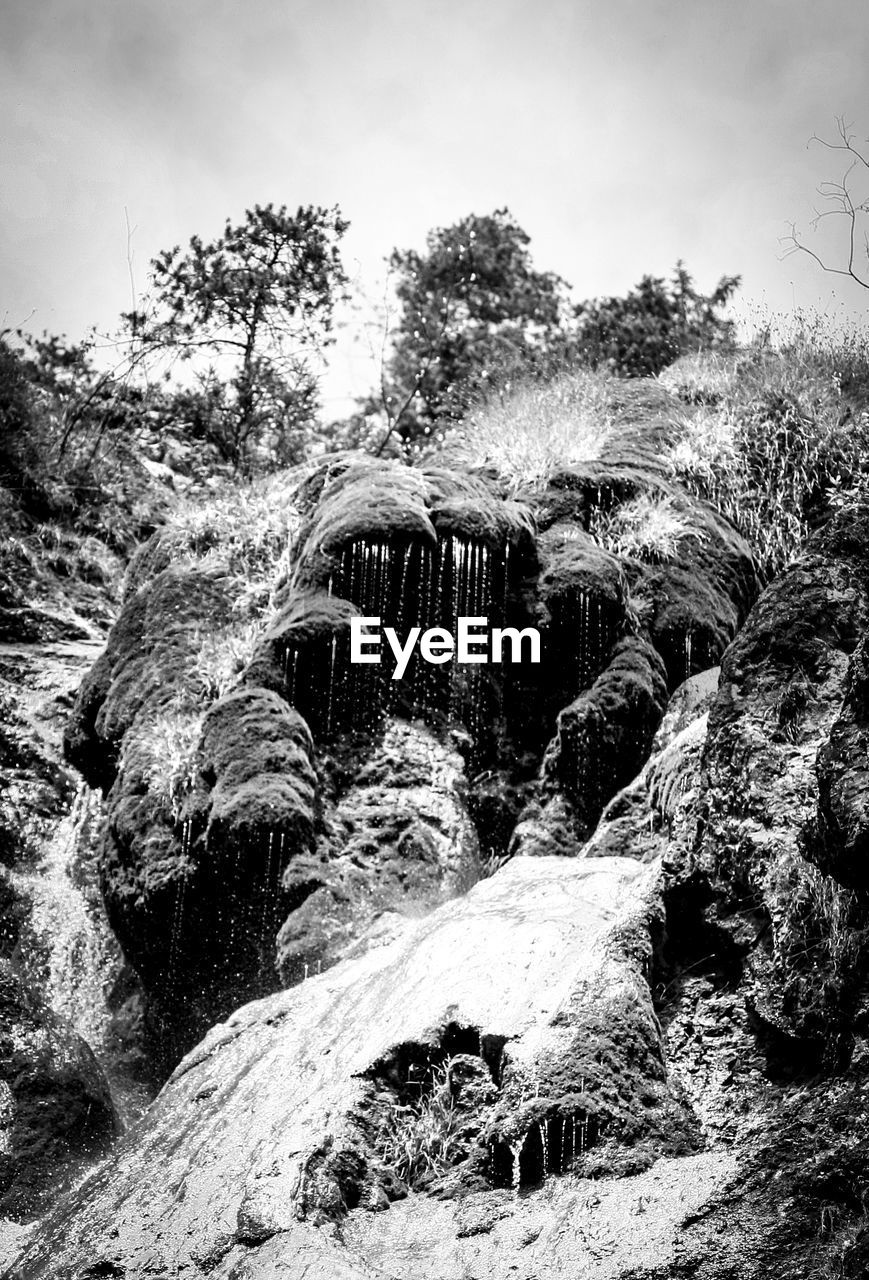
pixel 602 739
pixel 841 845
pixel 184 865
pixel 776 832
pixel 147 666
pixel 197 884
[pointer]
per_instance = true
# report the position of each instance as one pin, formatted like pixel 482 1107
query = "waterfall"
pixel 74 948
pixel 72 957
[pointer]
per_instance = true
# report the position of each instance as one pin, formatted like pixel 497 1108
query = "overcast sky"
pixel 622 135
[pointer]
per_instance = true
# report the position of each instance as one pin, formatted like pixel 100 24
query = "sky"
pixel 621 134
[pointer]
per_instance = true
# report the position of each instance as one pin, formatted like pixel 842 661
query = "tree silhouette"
pixel 251 311
pixel 641 333
pixel 472 309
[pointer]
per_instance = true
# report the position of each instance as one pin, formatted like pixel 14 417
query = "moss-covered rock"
pixel 841 847
pixel 782 785
pixel 467 507
pixel 146 665
pixel 199 797
pixel 604 735
pixel 398 840
pixel 196 883
pixel 367 501
pixel 582 592
pixel 692 605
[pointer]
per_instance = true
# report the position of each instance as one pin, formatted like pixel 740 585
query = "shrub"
pixel 222 657
pixel 16 417
pixel 246 527
pixel 772 437
pixel 817 928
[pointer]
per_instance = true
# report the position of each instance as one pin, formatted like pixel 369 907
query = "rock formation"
pixel 257 863
pixel 503 970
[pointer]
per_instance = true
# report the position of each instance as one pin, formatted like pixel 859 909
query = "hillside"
pixel 497 969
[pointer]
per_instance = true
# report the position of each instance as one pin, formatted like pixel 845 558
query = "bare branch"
pixel 838 195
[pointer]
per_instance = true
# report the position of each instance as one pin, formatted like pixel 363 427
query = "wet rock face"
pixel 841 848
pixel 655 815
pixel 34 787
pixel 583 594
pixel 696 602
pixel 605 735
pixel 399 835
pixel 257 839
pixel 784 804
pixel 55 1106
pixel 57 958
pixel 602 739
pixel 145 667
pixel 197 893
pixel 297 1111
pixel 415 549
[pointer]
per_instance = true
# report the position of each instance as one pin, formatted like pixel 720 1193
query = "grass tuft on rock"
pixel 526 433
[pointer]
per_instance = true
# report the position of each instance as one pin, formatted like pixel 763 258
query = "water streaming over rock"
pixel 72 942
pixel 406 585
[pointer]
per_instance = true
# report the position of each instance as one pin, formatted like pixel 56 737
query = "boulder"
pixel 145 668
pixel 602 739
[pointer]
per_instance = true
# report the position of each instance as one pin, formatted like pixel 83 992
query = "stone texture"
pixel 145 667
pixel 55 1106
pixel 603 737
pixel 267 1125
pixel 196 889
pixel 398 840
pixel 784 713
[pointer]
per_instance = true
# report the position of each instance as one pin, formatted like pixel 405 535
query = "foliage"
pixel 90 405
pixel 422 1137
pixel 525 433
pixel 247 529
pixel 648 527
pixel 67 451
pixel 640 334
pixel 773 437
pixel 818 929
pixel 71 555
pixel 165 750
pixel 250 311
pixel 222 656
pixel 16 418
pixel 243 532
pixel 473 310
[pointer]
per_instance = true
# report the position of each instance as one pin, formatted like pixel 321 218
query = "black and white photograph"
pixel 434 640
